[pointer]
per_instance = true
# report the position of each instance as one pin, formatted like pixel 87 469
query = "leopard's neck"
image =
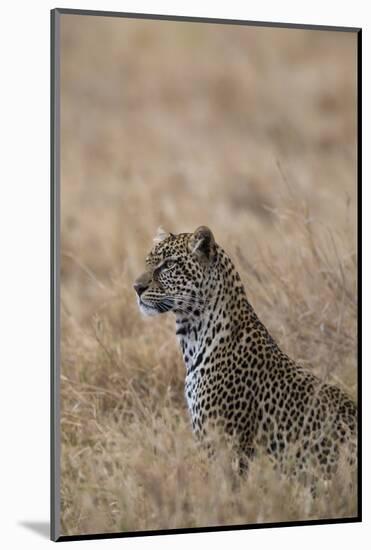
pixel 215 323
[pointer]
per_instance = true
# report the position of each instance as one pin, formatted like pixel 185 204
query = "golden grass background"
pixel 251 131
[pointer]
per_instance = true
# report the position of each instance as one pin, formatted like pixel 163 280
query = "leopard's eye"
pixel 168 264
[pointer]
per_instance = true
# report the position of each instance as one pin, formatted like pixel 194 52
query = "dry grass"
pixel 252 132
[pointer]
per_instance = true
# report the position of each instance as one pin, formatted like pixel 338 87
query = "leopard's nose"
pixel 142 283
pixel 140 287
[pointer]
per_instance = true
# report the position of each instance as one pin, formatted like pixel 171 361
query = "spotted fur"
pixel 238 381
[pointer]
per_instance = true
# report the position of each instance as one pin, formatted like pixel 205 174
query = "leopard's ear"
pixel 202 244
pixel 161 235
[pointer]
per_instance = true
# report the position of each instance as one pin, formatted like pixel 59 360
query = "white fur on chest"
pixel 192 383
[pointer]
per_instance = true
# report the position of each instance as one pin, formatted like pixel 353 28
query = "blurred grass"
pixel 251 131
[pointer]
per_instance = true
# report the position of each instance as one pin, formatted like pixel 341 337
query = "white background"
pixel 24 254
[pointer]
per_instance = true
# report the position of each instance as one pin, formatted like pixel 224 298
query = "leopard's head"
pixel 177 270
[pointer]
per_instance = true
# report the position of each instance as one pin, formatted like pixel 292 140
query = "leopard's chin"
pixel 146 309
pixel 152 309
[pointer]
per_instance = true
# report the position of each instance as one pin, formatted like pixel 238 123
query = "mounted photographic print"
pixel 205 210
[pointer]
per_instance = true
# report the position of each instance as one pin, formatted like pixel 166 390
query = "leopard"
pixel 239 384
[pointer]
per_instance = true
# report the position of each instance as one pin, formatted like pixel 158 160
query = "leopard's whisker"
pixel 189 300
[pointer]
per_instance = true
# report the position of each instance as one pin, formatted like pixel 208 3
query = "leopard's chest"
pixel 203 357
pixel 193 387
